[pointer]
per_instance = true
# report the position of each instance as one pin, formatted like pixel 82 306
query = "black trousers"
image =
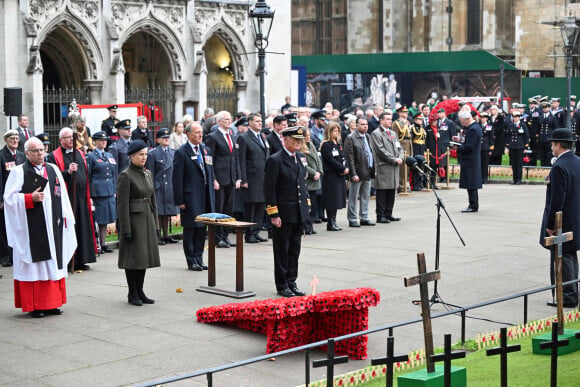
pixel 135 279
pixel 193 244
pixel 254 213
pixel 473 199
pixel 286 243
pixel 517 161
pixel 569 273
pixel 224 204
pixel 545 153
pixel 484 165
pixel 385 201
pixel 495 158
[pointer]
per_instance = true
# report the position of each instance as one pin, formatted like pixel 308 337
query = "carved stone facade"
pixel 86 44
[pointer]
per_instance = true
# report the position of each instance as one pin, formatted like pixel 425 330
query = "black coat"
pixel 274 142
pixel 253 156
pixel 373 124
pixel 333 183
pixel 498 134
pixel 470 175
pixel 7 162
pixel 192 185
pixel 285 188
pixel 517 135
pixel 562 195
pixel 146 136
pixel 225 163
pixel 486 137
pixel 545 127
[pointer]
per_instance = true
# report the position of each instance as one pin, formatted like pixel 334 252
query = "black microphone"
pixel 422 162
pixel 413 164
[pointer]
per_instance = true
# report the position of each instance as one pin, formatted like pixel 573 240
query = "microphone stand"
pixel 436 298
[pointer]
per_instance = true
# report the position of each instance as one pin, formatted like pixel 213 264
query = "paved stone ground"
pixel 102 340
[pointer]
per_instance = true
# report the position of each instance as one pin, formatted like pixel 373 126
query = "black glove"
pixel 158 234
pixel 128 236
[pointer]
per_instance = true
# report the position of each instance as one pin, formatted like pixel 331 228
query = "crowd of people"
pixel 284 172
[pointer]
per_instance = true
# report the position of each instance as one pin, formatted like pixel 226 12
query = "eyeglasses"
pixel 13 138
pixel 36 150
pixel 66 137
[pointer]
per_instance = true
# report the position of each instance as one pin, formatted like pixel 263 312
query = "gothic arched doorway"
pixel 221 92
pixel 148 75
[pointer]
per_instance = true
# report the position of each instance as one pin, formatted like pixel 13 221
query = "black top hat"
pixel 112 107
pixel 123 124
pixel 318 114
pixel 42 137
pixel 136 146
pixel 294 131
pixel 562 134
pixel 242 122
pixel 162 133
pixel 100 136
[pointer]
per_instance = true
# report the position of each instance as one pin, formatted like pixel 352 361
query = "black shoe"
pixel 133 299
pixel 393 218
pixel 518 182
pixel 222 244
pixel 195 267
pixel 53 312
pixel 311 232
pixel 36 314
pixel 317 221
pixel 323 219
pixel 512 182
pixel 6 264
pixel 171 240
pixel 353 224
pixel 260 238
pixel 469 210
pixel 82 267
pixel 204 267
pixel 286 293
pixel 232 244
pixel 551 303
pixel 332 227
pixel 251 239
pixel 383 219
pixel 105 249
pixel 161 242
pixel 144 299
pixel 366 223
pixel 297 291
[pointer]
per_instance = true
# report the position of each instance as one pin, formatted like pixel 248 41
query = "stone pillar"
pixel 35 69
pixel 118 73
pixel 95 89
pixel 241 87
pixel 178 91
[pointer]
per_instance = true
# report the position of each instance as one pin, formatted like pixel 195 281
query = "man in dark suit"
pixel 275 138
pixel 470 151
pixel 359 156
pixel 193 192
pixel 373 122
pixel 227 171
pixel 562 195
pixel 109 125
pixel 143 133
pixel 254 152
pixel 23 132
pixel 119 148
pixel 287 207
pixel 10 157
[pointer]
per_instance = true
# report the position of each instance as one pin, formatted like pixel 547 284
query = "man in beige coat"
pixel 388 158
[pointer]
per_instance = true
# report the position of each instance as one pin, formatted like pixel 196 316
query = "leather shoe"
pixel 551 303
pixel 133 299
pixel 317 221
pixel 195 267
pixel 105 249
pixel 383 219
pixel 311 232
pixel 366 223
pixel 82 267
pixel 222 244
pixel 232 244
pixel 469 210
pixel 332 227
pixel 251 239
pixel 36 314
pixel 260 238
pixel 54 312
pixel 297 292
pixel 286 293
pixel 161 242
pixel 353 224
pixel 171 240
pixel 144 299
pixel 204 267
pixel 393 218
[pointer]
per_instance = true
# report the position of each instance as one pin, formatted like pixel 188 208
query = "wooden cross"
pixel 422 279
pixel 313 284
pixel 503 350
pixel 390 360
pixel 558 240
pixel 553 345
pixel 329 362
pixel 446 358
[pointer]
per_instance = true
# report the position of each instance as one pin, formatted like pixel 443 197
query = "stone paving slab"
pixel 101 340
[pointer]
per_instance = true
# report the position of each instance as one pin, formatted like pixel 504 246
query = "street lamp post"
pixel 262 17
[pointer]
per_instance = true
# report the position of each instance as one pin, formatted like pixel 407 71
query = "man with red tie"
pixel 227 171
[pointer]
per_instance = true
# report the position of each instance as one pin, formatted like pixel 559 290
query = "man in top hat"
pixel 517 139
pixel 160 163
pixel 275 137
pixel 108 125
pixel 562 195
pixel 73 166
pixel 45 141
pixel 287 206
pixel 544 126
pixel 10 157
pixel 402 128
pixel 119 148
pixel 317 129
pixel 142 132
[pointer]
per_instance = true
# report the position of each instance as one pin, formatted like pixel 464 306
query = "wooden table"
pixel 211 282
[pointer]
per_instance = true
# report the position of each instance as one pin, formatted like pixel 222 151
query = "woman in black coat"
pixel 335 170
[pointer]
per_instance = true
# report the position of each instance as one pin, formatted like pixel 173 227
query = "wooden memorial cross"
pixel 390 360
pixel 558 240
pixel 554 345
pixel 422 279
pixel 446 358
pixel 503 351
pixel 329 362
pixel 313 284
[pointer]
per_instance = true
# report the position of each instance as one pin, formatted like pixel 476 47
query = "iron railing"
pixel 222 98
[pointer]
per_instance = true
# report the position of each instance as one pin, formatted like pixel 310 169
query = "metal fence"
pixel 222 98
pixel 461 311
pixel 56 107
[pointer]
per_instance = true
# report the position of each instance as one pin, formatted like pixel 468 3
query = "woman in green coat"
pixel 313 179
pixel 138 227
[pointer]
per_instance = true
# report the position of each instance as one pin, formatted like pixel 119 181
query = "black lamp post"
pixel 569 31
pixel 262 17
